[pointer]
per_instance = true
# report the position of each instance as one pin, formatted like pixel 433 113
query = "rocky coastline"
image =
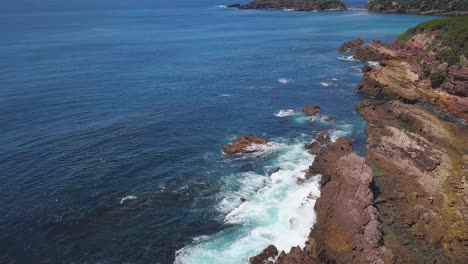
pixel 407 200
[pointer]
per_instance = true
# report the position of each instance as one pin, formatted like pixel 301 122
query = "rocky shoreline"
pixel 407 200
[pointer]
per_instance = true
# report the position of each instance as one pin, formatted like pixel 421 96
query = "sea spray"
pixel 277 210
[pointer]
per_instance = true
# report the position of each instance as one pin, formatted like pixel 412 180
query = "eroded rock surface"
pixel 420 166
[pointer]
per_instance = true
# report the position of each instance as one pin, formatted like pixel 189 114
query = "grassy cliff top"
pixel 451 32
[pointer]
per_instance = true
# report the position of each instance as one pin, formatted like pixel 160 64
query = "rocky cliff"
pixel 436 7
pixel 298 5
pixel 407 200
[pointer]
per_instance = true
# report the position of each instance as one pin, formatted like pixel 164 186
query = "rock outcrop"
pixel 351 46
pixel 242 145
pixel 297 5
pixel 311 110
pixel 420 165
pixel 267 256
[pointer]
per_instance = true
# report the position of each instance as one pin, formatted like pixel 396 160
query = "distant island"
pixel 296 5
pixel 441 7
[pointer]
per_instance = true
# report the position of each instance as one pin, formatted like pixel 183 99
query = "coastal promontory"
pixel 439 7
pixel 297 5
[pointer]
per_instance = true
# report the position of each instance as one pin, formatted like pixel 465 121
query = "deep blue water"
pixel 98 105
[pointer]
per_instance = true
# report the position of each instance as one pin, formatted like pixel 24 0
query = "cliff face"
pixel 299 5
pixel 442 7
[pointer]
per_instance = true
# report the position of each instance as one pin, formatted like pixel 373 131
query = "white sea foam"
pixel 283 80
pixel 221 6
pixel 288 9
pixel 225 95
pixel 302 119
pixel 334 79
pixel 284 113
pixel 277 211
pixel 342 130
pixel 127 198
pixel 327 84
pixel 346 58
pixel 373 63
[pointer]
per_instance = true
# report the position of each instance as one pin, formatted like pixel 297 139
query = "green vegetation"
pixel 301 4
pixel 451 32
pixel 421 5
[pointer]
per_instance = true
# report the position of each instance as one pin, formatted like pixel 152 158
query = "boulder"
pixel 242 144
pixel 311 110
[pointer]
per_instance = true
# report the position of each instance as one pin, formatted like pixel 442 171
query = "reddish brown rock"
pixel 267 256
pixel 328 155
pixel 351 46
pixel 311 110
pixel 242 144
pixel 376 51
pixel 347 228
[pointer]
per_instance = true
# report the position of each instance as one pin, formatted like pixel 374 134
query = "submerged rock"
pixel 242 144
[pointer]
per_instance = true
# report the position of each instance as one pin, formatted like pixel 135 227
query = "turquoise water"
pixel 113 123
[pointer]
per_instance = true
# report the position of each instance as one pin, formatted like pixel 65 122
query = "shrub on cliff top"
pixel 451 32
pixel 422 5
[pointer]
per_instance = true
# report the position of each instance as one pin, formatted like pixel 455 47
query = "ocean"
pixel 113 123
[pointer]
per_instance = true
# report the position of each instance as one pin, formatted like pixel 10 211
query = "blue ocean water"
pixel 113 121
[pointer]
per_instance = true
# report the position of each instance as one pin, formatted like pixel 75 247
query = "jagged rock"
pixel 311 110
pixel 351 46
pixel 242 144
pixel 266 257
pixel 322 137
